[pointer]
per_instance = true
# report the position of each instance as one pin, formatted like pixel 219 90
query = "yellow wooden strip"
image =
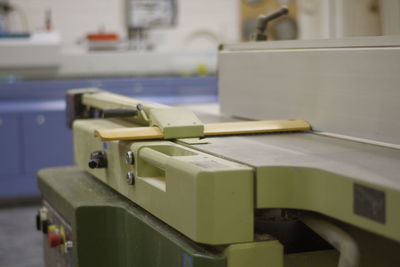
pixel 135 133
pixel 249 127
pixel 214 129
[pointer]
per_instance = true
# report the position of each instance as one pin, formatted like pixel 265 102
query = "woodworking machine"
pixel 164 186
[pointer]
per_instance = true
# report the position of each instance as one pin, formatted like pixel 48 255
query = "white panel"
pixel 351 90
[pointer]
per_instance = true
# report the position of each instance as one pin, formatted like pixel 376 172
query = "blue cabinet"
pixel 14 181
pixel 48 141
pixel 10 145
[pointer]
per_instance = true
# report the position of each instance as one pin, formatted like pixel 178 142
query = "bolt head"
pixel 139 107
pixel 69 244
pixel 130 178
pixel 130 158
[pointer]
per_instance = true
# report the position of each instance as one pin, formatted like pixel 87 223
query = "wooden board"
pixel 213 129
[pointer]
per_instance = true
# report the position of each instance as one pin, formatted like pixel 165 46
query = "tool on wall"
pixel 262 23
pixel 145 15
pixel 6 29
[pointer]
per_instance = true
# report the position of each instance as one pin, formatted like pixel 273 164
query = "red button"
pixel 54 240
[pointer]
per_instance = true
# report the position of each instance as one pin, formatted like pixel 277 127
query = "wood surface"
pixel 213 129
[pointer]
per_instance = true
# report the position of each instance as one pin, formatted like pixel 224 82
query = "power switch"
pixel 54 240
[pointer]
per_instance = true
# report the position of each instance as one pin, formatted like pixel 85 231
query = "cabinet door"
pixel 48 142
pixel 10 145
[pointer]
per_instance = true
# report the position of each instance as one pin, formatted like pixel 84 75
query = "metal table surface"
pixel 366 162
pixel 354 182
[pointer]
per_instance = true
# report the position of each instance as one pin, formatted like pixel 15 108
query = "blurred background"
pixel 156 50
pixel 59 39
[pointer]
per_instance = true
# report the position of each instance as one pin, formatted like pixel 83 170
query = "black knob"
pixel 45 225
pixel 94 163
pixel 98 160
pixel 38 223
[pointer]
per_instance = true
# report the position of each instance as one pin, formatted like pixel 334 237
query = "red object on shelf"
pixel 54 240
pixel 102 37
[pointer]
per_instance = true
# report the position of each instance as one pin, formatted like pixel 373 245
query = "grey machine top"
pixel 366 162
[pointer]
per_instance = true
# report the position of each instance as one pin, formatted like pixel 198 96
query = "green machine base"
pixel 99 227
pixel 108 230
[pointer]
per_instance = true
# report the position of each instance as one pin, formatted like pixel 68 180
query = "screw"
pixel 130 178
pixel 130 158
pixel 69 244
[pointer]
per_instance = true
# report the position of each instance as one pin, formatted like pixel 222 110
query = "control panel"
pixel 57 237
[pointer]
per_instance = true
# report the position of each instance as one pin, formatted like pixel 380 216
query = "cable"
pixel 5 7
pixel 22 15
pixel 338 238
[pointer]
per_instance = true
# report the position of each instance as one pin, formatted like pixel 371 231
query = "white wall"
pixel 391 16
pixel 201 23
pixel 339 18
